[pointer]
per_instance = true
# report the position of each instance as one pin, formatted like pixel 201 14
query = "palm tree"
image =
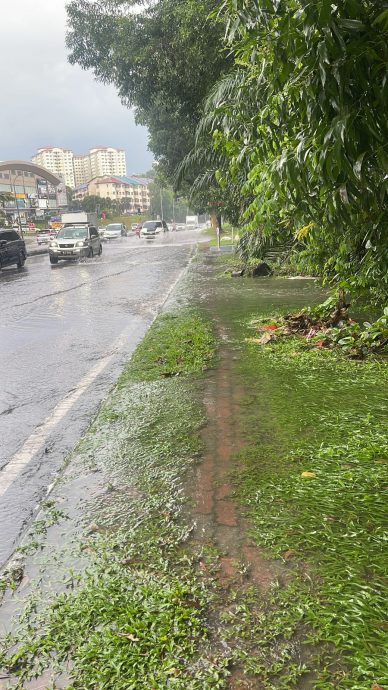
pixel 5 196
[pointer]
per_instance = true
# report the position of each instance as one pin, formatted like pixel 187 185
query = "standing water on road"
pixel 65 334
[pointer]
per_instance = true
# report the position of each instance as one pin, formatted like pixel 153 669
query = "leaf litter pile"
pixel 327 326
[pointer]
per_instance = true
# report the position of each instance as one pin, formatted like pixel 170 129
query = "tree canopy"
pixel 312 135
pixel 275 111
pixel 162 60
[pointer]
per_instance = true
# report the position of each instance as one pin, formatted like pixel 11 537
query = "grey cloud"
pixel 46 101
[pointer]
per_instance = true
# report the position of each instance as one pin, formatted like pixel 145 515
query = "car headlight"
pixel 53 244
pixel 80 244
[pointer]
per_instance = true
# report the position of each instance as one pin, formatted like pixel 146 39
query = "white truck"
pixel 191 221
pixel 79 218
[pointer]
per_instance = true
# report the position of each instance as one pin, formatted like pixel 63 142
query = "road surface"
pixel 65 333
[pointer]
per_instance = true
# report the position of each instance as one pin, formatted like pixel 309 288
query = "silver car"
pixel 74 242
pixel 114 230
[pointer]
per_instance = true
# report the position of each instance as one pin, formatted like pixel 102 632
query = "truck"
pixel 191 221
pixel 79 218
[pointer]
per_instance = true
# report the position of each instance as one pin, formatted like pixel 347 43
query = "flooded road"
pixel 65 333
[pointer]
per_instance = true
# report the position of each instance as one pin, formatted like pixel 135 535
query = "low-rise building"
pixel 29 191
pixel 134 191
pixel 80 192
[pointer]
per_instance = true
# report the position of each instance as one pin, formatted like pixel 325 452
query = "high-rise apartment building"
pixel 80 169
pixel 106 160
pixel 59 161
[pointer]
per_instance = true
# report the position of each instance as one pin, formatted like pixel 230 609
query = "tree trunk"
pixel 213 219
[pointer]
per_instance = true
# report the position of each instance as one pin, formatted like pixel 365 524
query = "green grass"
pixel 316 413
pixel 134 619
pixel 127 220
pixel 176 345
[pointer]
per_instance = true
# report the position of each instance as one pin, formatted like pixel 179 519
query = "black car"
pixel 12 249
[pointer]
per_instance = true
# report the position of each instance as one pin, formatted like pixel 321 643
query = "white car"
pixel 114 230
pixel 153 227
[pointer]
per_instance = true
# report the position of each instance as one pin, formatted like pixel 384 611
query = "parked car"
pixel 23 226
pixel 74 242
pixel 153 227
pixel 12 249
pixel 115 230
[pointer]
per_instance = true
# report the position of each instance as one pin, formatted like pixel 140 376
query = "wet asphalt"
pixel 65 333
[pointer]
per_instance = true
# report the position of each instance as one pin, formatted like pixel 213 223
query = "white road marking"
pixel 37 441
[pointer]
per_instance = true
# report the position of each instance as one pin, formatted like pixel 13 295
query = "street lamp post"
pixel 161 204
pixel 16 202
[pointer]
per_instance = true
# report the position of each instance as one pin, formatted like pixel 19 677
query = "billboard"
pixel 61 195
pixel 42 189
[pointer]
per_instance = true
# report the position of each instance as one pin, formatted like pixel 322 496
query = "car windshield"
pixel 151 225
pixel 113 226
pixel 72 233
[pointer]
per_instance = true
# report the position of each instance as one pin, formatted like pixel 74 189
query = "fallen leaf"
pixel 172 672
pixel 319 343
pixel 266 338
pixel 129 636
pixel 270 327
pixel 288 554
pixel 308 474
pixel 203 567
pixel 132 561
pixel 376 686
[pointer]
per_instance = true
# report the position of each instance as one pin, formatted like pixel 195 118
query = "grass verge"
pixel 135 617
pixel 312 477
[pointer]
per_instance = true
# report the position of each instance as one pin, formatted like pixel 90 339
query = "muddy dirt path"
pixel 220 521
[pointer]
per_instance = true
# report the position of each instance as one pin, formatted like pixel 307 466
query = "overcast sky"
pixel 45 101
